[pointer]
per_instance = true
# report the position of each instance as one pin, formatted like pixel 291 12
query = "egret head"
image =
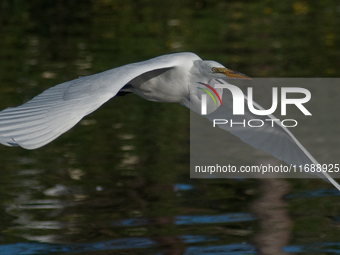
pixel 205 75
pixel 214 69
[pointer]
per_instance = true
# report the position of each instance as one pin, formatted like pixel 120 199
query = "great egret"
pixel 168 78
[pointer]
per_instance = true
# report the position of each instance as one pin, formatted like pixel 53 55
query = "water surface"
pixel 118 183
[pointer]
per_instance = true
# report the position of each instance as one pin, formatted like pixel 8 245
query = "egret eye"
pixel 214 70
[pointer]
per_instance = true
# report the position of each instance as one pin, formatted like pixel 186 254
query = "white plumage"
pixel 167 78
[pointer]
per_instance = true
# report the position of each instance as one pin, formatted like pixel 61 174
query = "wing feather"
pixel 57 109
pixel 277 140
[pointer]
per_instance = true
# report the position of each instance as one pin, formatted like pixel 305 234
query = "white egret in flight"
pixel 169 78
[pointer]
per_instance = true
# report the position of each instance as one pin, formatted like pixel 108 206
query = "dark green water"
pixel 115 184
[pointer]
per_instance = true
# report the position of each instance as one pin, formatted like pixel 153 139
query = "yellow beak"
pixel 230 73
pixel 233 74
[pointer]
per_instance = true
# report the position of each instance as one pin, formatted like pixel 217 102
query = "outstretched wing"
pixel 56 110
pixel 272 137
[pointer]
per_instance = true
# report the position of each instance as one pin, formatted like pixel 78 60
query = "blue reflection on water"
pixel 41 248
pixel 331 247
pixel 190 219
pixel 182 186
pixel 203 219
pixel 229 249
pixel 196 238
pixel 315 193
